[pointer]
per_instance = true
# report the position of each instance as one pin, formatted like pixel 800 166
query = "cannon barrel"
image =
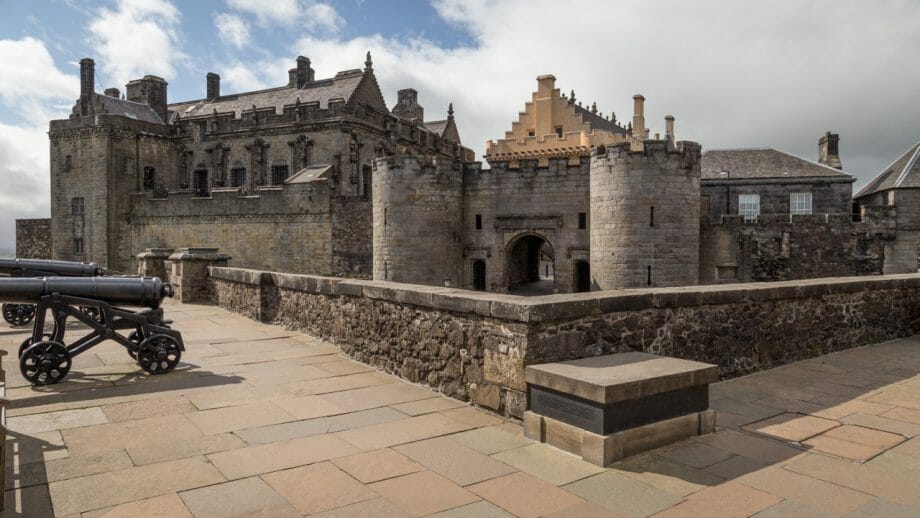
pixel 45 267
pixel 127 291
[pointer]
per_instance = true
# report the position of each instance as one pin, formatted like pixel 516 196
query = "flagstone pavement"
pixel 261 421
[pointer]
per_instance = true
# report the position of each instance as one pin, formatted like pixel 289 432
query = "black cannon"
pixel 22 314
pixel 45 359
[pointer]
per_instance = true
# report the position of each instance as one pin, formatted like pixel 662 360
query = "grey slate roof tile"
pixel 322 92
pixel 762 163
pixel 903 172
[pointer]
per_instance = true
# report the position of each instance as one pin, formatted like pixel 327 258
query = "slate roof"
pixel 342 86
pixel 903 172
pixel 597 122
pixel 133 110
pixel 436 127
pixel 762 163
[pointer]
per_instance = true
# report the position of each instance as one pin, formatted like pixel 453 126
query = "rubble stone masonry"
pixel 474 345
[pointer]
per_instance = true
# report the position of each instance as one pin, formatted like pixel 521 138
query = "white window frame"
pixel 749 206
pixel 800 203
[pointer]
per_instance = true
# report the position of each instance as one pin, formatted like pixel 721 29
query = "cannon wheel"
pixel 18 314
pixel 159 354
pixel 45 363
pixel 136 337
pixel 28 342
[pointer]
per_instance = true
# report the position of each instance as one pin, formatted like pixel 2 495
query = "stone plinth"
pixel 610 407
pixel 150 262
pixel 187 270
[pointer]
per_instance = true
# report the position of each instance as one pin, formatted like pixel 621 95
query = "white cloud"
pixel 241 78
pixel 309 13
pixel 733 74
pixel 232 29
pixel 29 80
pixel 138 37
pixel 32 87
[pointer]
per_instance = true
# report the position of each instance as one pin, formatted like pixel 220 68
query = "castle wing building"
pixel 889 202
pixel 288 166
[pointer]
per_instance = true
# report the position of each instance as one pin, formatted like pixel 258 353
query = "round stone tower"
pixel 645 215
pixel 418 220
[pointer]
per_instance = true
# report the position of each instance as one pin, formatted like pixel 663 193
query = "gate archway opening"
pixel 479 275
pixel 530 268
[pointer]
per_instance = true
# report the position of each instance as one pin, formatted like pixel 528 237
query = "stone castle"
pixel 318 176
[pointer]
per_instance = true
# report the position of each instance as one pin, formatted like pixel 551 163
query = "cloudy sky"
pixel 734 74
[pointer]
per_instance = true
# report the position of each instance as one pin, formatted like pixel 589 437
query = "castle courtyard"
pixel 262 421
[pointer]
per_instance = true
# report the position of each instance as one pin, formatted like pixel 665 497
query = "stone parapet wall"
pixel 473 345
pixel 33 238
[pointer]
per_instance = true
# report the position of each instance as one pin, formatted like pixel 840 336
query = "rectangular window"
pixel 149 178
pixel 78 246
pixel 237 176
pixel 531 133
pixel 800 203
pixel 77 207
pixel 478 221
pixel 651 216
pixel 385 217
pixel 68 163
pixel 559 131
pixel 749 206
pixel 582 220
pixel 279 174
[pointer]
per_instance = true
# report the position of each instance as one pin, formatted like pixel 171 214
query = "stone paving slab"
pixel 257 417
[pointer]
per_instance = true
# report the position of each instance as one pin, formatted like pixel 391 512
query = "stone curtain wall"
pixel 784 247
pixel 473 345
pixel 33 238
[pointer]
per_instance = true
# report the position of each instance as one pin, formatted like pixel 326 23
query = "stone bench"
pixel 610 407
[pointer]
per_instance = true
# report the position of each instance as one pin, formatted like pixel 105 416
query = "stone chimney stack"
pixel 407 106
pixel 149 90
pixel 87 77
pixel 828 150
pixel 213 86
pixel 638 125
pixel 292 77
pixel 113 92
pixel 669 128
pixel 305 74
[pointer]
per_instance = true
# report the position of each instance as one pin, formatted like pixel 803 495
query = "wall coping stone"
pixel 550 308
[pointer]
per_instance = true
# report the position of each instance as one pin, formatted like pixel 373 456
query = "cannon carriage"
pixel 123 304
pixel 22 314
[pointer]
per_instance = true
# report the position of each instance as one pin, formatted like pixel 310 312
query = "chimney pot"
pixel 669 128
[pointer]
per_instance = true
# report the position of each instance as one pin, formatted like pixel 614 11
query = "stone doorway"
pixel 582 276
pixel 479 275
pixel 530 266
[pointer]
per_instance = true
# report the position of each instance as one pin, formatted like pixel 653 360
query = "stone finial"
pixel 368 63
pixel 450 111
pixel 572 97
pixel 594 108
pixel 613 117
